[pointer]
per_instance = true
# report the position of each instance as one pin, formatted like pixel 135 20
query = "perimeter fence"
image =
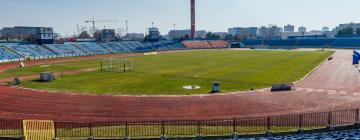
pixel 192 128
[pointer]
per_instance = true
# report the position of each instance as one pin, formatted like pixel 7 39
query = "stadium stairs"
pixel 78 47
pixel 47 48
pixel 127 46
pixel 106 48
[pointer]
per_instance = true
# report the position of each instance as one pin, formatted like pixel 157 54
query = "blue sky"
pixel 214 15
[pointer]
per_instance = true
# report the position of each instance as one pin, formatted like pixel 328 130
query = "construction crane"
pixel 93 21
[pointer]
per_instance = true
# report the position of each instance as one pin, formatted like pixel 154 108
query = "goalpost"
pixel 117 64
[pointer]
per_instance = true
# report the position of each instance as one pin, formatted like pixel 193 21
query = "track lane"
pixel 333 86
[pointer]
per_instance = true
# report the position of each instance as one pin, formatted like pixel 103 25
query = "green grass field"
pixel 166 74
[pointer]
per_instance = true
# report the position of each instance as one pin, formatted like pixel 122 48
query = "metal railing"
pixel 194 128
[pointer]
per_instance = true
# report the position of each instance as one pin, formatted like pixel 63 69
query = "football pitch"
pixel 166 74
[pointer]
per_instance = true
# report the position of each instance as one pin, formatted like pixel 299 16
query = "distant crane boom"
pixel 93 21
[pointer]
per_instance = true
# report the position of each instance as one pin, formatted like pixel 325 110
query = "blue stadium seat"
pixel 4 54
pixel 346 43
pixel 83 48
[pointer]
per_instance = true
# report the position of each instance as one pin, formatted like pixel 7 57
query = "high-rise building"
pixel 177 34
pixel 325 29
pixel 39 35
pixel 269 32
pixel 289 28
pixel 134 36
pixel 243 31
pixel 302 29
pixel 352 25
pixel 106 35
pixel 222 35
pixel 153 35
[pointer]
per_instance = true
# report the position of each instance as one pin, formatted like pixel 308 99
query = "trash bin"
pixel 215 87
pixel 46 76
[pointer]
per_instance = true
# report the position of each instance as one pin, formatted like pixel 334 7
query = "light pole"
pixel 127 28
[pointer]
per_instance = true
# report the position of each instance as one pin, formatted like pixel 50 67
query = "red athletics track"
pixel 334 85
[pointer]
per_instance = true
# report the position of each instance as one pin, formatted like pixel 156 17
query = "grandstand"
pixel 15 51
pixel 4 54
pixel 77 123
pixel 12 51
pixel 205 44
pixel 303 43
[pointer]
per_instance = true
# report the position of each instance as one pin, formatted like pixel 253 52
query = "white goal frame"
pixel 117 64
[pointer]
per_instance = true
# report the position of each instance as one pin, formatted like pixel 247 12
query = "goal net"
pixel 117 64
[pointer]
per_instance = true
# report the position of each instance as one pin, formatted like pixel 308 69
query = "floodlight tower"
pixel 127 27
pixel 192 34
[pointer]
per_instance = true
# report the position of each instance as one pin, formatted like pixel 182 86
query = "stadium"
pixel 302 87
pixel 160 106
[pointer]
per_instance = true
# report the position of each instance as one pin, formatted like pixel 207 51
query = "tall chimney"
pixel 192 19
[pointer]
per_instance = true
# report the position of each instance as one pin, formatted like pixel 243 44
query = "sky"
pixel 212 15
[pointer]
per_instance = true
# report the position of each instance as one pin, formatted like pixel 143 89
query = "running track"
pixel 334 85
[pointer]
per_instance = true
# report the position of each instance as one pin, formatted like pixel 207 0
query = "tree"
pixel 229 37
pixel 186 37
pixel 240 37
pixel 97 35
pixel 212 36
pixel 31 38
pixel 357 31
pixel 84 34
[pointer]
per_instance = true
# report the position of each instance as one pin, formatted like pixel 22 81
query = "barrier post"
pixel 198 135
pixel 235 135
pixel 162 137
pixel 301 123
pixel 101 65
pixel 357 123
pixel 90 132
pixel 55 132
pixel 22 129
pixel 126 131
pixel 357 115
pixel 329 127
pixel 268 132
pixel 234 129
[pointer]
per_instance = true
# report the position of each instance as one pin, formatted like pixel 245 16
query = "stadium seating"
pixel 6 55
pixel 304 43
pixel 164 45
pixel 63 49
pixel 115 47
pixel 219 44
pixel 346 43
pixel 23 50
pixel 15 50
pixel 314 42
pixel 205 44
pixel 94 48
pixel 136 46
pixel 42 51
